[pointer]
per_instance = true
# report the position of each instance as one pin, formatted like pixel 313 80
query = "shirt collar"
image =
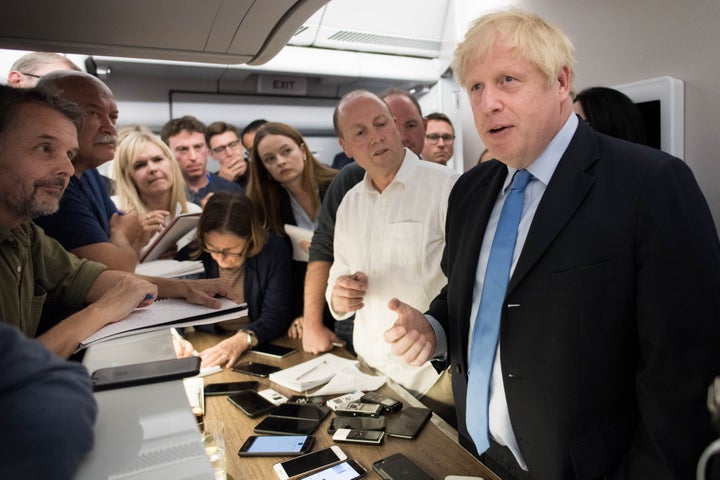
pixel 543 167
pixel 404 173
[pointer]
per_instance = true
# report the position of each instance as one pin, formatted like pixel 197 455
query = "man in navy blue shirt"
pixel 87 223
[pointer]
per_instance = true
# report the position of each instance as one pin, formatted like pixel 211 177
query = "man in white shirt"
pixel 389 234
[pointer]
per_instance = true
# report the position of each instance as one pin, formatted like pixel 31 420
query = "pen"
pixel 310 370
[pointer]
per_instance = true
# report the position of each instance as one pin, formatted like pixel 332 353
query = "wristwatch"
pixel 252 338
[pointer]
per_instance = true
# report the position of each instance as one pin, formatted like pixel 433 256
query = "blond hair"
pixel 129 196
pixel 528 34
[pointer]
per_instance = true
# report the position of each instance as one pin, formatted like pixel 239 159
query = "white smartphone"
pixel 348 470
pixel 309 463
pixel 371 437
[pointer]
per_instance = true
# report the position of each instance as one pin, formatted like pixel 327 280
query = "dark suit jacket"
pixel 607 359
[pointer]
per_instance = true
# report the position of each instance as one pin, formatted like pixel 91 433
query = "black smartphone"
pixel 357 423
pixel 144 373
pixel 275 351
pixel 348 470
pixel 255 368
pixel 399 467
pixel 286 426
pixel 276 445
pixel 297 410
pixel 251 403
pixel 410 422
pixel 309 462
pixel 390 405
pixel 227 388
pixel 359 409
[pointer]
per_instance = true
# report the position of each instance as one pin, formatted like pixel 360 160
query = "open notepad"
pixel 312 373
pixel 171 312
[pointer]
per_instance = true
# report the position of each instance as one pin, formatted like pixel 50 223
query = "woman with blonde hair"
pixel 287 185
pixel 148 180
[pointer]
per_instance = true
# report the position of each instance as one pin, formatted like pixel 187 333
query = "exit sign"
pixel 278 85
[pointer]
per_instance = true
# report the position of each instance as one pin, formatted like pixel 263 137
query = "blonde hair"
pixel 528 34
pixel 127 151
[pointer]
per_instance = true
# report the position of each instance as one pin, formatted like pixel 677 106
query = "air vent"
pixel 384 40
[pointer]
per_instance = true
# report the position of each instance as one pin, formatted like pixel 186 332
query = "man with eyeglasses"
pixel 27 70
pixel 186 138
pixel 230 153
pixel 439 139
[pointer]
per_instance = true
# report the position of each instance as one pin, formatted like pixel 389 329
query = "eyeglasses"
pixel 221 148
pixel 224 253
pixel 30 75
pixel 434 137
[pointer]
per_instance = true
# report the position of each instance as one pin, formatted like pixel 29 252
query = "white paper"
pixel 349 380
pixel 169 268
pixel 297 237
pixel 312 373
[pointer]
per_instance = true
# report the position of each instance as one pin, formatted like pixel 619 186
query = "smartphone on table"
pixel 276 445
pixel 357 423
pixel 144 373
pixel 251 403
pixel 410 422
pixel 255 368
pixel 399 467
pixel 297 410
pixel 228 388
pixel 347 470
pixel 390 405
pixel 271 350
pixel 286 426
pixel 309 462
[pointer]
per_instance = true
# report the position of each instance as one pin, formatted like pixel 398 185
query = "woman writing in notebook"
pixel 232 244
pixel 287 185
pixel 149 182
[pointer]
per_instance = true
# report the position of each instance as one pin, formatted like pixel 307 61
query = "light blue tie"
pixel 487 322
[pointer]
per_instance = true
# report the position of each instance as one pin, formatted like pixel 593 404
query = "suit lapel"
pixel 563 196
pixel 476 208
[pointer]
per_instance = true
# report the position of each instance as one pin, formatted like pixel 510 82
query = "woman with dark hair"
pixel 232 244
pixel 611 112
pixel 287 185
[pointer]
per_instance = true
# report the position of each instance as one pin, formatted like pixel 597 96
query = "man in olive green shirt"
pixel 38 139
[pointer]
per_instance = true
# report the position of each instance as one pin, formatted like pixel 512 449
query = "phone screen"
pixel 347 470
pixel 276 444
pixel 286 426
pixel 254 368
pixel 295 410
pixel 409 423
pixel 311 461
pixel 229 387
pixel 250 402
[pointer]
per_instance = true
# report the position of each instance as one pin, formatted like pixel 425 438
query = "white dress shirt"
pixel 397 239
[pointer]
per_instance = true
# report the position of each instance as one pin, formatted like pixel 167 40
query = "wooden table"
pixel 435 449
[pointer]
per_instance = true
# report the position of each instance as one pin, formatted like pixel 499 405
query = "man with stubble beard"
pixel 87 223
